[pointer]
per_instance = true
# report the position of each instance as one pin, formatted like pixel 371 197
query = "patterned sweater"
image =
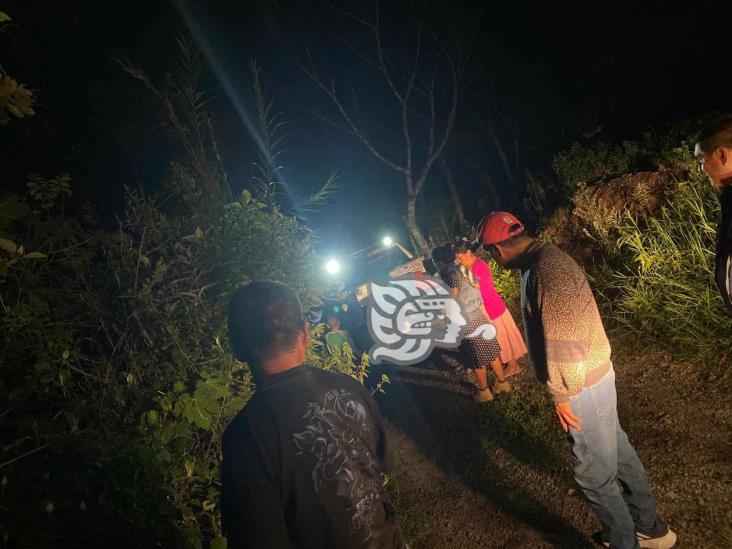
pixel 564 334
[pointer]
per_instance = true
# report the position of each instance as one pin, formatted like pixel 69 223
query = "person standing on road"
pixel 570 353
pixel 478 352
pixel 714 154
pixel 303 460
pixel 509 337
pixel 336 339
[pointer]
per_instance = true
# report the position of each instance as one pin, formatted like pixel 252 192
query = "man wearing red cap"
pixel 570 353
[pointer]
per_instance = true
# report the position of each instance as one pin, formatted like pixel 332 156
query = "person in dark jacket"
pixel 302 463
pixel 714 153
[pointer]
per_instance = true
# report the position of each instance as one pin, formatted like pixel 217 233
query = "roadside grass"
pixel 660 282
pixel 413 518
pixel 524 424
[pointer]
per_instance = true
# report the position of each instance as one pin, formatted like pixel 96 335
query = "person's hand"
pixel 567 417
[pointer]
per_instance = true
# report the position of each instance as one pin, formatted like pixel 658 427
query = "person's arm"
pixel 565 303
pixel 252 509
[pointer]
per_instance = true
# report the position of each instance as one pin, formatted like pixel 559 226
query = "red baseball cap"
pixel 497 227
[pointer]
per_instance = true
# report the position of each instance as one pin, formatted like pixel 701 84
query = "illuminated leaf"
pixel 190 465
pixel 152 417
pixel 218 543
pixel 8 246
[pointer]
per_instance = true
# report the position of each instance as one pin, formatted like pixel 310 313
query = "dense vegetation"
pixel 651 246
pixel 115 376
pixel 116 381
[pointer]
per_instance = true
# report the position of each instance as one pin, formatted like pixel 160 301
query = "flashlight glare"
pixel 333 267
pixel 388 241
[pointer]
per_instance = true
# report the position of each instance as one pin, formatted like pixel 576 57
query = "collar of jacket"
pixel 528 258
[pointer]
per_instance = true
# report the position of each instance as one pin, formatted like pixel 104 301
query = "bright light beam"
pixel 333 267
pixel 387 241
pixel 205 46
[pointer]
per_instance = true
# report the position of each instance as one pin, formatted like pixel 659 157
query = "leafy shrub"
pixel 582 166
pixel 116 382
pixel 661 284
pixel 655 276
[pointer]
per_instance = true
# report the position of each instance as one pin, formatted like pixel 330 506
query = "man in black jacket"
pixel 714 153
pixel 303 460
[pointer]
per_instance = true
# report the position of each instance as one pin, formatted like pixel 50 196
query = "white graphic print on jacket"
pixel 345 470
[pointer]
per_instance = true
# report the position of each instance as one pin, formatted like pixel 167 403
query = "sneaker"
pixel 502 387
pixel 483 395
pixel 666 541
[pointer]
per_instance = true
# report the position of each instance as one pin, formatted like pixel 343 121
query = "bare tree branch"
pixel 353 128
pixel 415 96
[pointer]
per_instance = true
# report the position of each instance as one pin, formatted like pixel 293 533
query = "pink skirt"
pixel 509 337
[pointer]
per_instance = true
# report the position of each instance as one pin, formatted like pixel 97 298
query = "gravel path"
pixel 464 480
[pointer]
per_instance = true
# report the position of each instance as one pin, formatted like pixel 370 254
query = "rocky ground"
pixel 497 475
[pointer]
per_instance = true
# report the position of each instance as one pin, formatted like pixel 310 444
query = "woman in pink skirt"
pixel 509 337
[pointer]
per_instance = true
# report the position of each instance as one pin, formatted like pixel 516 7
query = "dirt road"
pixel 497 475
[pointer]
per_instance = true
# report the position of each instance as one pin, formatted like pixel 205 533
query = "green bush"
pixel 580 166
pixel 655 276
pixel 116 379
pixel 583 165
pixel 660 282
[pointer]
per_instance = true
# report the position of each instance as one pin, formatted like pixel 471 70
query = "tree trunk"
pixel 454 194
pixel 411 222
pixel 510 176
pixel 488 182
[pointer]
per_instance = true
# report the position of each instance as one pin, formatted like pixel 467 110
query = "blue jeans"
pixel 604 461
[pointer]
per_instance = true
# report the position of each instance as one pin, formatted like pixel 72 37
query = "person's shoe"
pixel 666 541
pixel 502 387
pixel 483 395
pixel 512 370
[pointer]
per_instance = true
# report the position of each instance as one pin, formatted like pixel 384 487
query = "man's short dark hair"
pixel 718 133
pixel 515 239
pixel 264 318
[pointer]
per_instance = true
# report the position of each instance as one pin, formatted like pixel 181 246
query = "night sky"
pixel 555 70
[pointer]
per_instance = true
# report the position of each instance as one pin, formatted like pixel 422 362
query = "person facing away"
pixel 714 154
pixel 336 339
pixel 302 462
pixel 478 352
pixel 509 338
pixel 570 353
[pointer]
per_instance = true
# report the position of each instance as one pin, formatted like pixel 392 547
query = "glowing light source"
pixel 387 241
pixel 333 266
